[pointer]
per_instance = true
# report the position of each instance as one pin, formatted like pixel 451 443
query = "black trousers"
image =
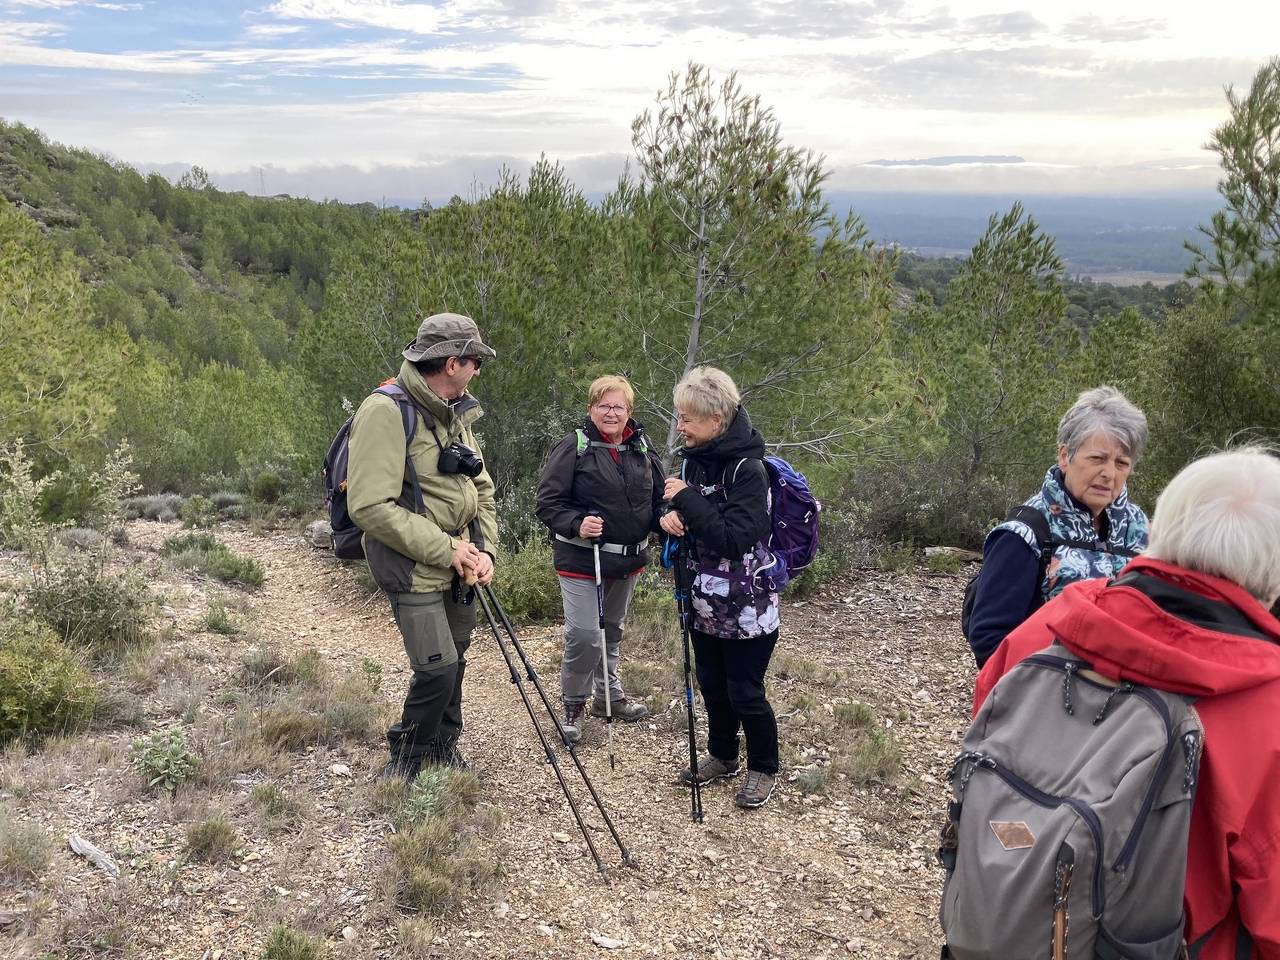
pixel 437 633
pixel 731 675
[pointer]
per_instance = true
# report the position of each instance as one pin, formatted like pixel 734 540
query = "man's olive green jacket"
pixel 411 551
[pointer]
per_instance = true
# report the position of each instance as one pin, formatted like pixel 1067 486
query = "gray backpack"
pixel 1067 834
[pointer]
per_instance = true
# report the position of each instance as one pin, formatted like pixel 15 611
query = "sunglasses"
pixel 475 361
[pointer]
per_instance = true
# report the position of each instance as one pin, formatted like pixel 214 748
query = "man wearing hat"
pixel 423 555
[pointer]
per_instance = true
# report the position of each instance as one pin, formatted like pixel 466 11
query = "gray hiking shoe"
pixel 709 769
pixel 623 708
pixel 755 790
pixel 574 714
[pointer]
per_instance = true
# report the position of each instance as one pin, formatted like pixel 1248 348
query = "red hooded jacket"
pixel 1235 822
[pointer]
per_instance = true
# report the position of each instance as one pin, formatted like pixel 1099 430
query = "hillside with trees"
pixel 184 677
pixel 225 336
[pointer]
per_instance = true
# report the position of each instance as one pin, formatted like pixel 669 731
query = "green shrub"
pixel 207 554
pixel 265 664
pixel 285 943
pixel 874 756
pixel 219 621
pixel 91 607
pixel 946 564
pixel 211 841
pixel 897 557
pixel 526 585
pixel 266 487
pixel 855 715
pixel 440 792
pixel 279 810
pixel 198 511
pixel 44 688
pixel 164 760
pixel 225 500
pixel 154 506
pixel 372 671
pixel 24 851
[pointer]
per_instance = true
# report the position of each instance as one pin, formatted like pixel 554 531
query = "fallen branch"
pixel 97 857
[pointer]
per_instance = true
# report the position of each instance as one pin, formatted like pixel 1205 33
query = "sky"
pixel 370 99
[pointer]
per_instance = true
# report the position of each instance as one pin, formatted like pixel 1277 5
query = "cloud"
pixel 1040 78
pixel 1097 30
pixel 1016 24
pixel 434 181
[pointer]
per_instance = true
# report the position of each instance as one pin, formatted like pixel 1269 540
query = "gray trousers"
pixel 580 673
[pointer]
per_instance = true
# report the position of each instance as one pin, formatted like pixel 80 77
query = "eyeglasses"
pixel 613 408
pixel 475 361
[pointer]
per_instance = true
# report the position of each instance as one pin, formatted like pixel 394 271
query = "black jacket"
pixel 728 523
pixel 627 494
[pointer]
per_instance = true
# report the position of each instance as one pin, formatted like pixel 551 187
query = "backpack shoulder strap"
pixel 583 442
pixel 1038 523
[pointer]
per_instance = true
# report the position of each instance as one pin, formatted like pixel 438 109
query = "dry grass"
pixel 24 851
pixel 212 840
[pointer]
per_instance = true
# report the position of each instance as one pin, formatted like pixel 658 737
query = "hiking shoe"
pixel 572 723
pixel 401 768
pixel 624 709
pixel 709 768
pixel 755 790
pixel 449 756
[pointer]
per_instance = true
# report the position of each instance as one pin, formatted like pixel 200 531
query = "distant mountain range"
pixel 1096 235
pixel 945 161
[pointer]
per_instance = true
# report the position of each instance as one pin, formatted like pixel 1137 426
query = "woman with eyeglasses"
pixel 601 488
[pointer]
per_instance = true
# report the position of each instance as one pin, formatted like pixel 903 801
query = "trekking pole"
pixel 674 555
pixel 542 737
pixel 486 593
pixel 604 647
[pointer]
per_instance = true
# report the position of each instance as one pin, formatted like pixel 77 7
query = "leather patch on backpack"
pixel 1013 834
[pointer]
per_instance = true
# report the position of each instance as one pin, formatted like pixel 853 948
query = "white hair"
pixel 1221 515
pixel 708 391
pixel 1103 410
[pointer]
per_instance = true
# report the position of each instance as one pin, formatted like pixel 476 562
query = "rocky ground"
pixel 846 869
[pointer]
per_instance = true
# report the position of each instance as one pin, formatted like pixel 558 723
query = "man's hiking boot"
pixel 755 790
pixel 401 768
pixel 709 769
pixel 573 717
pixel 447 755
pixel 623 708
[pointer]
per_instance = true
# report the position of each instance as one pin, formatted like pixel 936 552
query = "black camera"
pixel 457 457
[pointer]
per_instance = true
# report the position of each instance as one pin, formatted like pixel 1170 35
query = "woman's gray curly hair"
pixel 1103 410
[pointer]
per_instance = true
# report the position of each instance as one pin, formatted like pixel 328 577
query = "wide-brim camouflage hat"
pixel 447 335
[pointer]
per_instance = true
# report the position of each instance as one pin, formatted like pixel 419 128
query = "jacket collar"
pixel 465 410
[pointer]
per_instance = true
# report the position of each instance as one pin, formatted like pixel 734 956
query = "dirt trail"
pixel 850 873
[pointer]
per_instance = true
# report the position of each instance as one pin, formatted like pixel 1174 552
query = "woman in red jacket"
pixel 1192 617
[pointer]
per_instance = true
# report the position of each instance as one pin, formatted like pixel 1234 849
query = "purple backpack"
pixel 793 520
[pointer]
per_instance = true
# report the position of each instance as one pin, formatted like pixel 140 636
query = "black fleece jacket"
pixel 626 493
pixel 728 522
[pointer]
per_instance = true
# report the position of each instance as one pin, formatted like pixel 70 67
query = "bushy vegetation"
pixel 163 759
pixel 433 858
pixel 44 687
pixel 205 553
pixel 24 851
pixel 212 840
pixel 285 943
pixel 230 335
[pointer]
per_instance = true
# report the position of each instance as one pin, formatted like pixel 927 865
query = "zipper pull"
pixel 1190 753
pixel 1061 888
pixel 1069 671
pixel 1106 704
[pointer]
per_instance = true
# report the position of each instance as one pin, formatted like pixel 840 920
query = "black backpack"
pixel 346 535
pixel 1039 525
